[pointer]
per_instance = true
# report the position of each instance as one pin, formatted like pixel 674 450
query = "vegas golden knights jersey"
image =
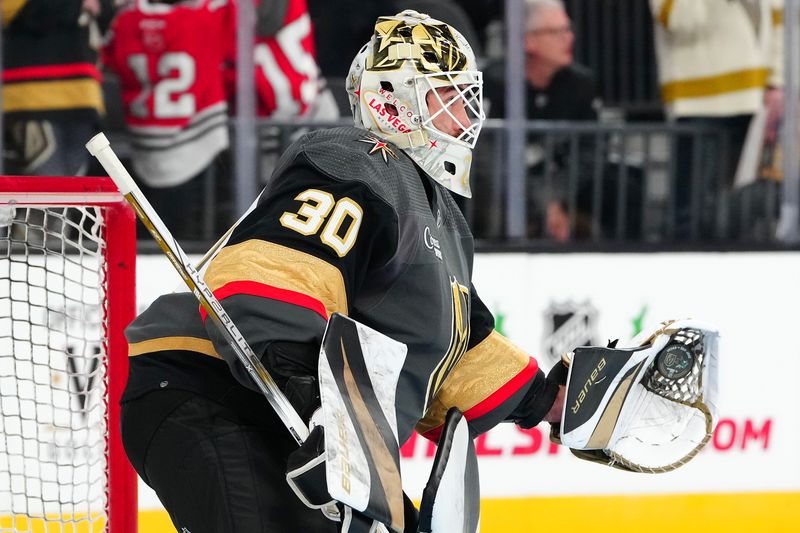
pixel 349 224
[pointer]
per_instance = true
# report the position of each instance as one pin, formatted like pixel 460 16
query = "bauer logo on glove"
pixel 649 408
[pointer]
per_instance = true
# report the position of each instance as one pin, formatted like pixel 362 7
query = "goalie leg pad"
pixel 358 370
pixel 451 499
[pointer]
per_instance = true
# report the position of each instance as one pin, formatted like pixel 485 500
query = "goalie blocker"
pixel 650 408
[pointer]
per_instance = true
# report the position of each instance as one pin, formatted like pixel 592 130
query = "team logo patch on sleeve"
pixel 379 145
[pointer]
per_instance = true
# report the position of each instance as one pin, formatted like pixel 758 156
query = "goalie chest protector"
pixel 423 296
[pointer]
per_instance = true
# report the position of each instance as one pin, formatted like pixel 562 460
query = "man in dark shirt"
pixel 570 95
pixel 557 89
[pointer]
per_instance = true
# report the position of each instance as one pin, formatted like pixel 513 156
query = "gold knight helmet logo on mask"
pixel 433 47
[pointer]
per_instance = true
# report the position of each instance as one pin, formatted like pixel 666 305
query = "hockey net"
pixel 67 256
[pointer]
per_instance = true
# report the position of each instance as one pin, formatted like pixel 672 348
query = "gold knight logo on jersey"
pixel 459 338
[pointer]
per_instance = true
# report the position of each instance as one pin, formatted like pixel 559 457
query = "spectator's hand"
pixel 773 102
pixel 557 222
pixel 92 7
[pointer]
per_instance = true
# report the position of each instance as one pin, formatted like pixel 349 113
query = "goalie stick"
pixel 100 148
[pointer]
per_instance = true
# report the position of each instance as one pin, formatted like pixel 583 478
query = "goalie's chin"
pixel 650 408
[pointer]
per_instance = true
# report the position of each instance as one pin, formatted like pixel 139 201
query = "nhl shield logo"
pixel 566 326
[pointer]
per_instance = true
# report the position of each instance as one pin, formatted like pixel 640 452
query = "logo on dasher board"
pixel 566 326
pixel 432 243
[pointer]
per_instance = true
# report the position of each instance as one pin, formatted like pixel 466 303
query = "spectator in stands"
pixel 558 89
pixel 52 98
pixel 288 81
pixel 169 57
pixel 176 60
pixel 720 63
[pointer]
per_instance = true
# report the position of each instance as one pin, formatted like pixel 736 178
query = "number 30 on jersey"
pixel 339 219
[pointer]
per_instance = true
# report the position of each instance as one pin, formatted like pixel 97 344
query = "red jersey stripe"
pixel 253 288
pixel 494 400
pixel 45 72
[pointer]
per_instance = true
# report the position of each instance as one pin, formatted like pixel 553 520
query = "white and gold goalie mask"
pixel 416 84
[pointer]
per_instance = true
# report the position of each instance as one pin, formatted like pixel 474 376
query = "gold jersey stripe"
pixel 777 17
pixel 10 9
pixel 664 13
pixel 480 372
pixel 192 344
pixel 53 95
pixel 278 266
pixel 722 84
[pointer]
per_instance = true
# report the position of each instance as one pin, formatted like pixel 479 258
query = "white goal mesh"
pixel 58 419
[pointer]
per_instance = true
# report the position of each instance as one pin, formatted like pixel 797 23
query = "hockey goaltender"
pixel 351 281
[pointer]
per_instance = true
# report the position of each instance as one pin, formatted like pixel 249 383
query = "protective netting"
pixel 53 362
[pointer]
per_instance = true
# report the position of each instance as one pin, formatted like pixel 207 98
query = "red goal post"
pixel 67 291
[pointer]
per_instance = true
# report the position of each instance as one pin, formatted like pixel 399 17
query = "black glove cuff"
pixel 559 373
pixel 540 397
pixel 540 405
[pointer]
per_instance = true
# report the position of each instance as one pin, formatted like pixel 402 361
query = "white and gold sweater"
pixel 716 57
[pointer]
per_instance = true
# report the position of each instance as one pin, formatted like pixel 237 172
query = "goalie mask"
pixel 416 84
pixel 650 408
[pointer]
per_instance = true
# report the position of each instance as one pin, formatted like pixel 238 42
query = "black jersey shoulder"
pixel 351 154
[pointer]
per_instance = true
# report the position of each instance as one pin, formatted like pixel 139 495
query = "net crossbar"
pixel 67 255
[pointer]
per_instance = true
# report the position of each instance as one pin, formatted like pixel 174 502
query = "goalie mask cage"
pixel 67 267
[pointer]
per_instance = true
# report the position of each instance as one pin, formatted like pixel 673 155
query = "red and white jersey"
pixel 287 76
pixel 169 59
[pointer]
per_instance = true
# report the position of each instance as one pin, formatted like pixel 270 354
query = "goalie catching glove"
pixel 650 408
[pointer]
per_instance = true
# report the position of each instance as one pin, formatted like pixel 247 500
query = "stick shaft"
pixel 100 148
